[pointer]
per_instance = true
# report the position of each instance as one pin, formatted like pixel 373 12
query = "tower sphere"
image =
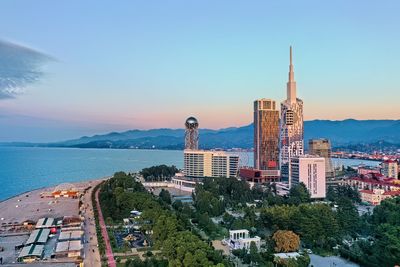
pixel 191 123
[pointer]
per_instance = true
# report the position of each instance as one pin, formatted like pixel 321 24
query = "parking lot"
pixel 8 243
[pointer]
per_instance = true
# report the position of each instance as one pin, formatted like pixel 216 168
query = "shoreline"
pixel 54 185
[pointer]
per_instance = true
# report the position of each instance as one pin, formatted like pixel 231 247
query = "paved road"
pixel 92 255
pixel 109 254
pixel 332 261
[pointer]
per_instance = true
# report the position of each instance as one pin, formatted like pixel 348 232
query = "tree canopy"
pixel 158 173
pixel 286 241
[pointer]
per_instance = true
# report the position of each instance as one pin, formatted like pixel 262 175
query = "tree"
pixel 185 248
pixel 278 217
pixel 164 227
pixel 387 212
pixel 157 173
pixel 347 216
pixel 343 191
pixel 387 244
pixel 205 201
pixel 165 196
pixel 298 194
pixel 109 221
pixel 206 223
pixel 253 251
pixel 286 241
pixel 316 224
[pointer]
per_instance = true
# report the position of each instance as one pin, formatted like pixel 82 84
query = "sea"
pixel 26 168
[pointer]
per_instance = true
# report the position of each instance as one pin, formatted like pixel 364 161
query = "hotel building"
pixel 201 163
pixel 266 135
pixel 291 127
pixel 309 170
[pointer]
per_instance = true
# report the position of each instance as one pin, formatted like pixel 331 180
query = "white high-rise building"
pixel 309 170
pixel 291 126
pixel 201 163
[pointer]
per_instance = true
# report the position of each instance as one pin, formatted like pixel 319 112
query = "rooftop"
pixel 381 181
pixel 239 231
pixel 31 250
pixel 67 246
pixel 70 235
pixel 287 255
pixel 45 223
pixel 38 236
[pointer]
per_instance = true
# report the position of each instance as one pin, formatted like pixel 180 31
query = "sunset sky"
pixel 72 68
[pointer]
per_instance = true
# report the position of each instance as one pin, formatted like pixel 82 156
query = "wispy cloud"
pixel 19 67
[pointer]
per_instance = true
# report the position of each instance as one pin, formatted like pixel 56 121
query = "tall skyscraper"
pixel 322 148
pixel 266 135
pixel 291 126
pixel 191 133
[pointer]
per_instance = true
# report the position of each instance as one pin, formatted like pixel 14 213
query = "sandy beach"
pixel 19 214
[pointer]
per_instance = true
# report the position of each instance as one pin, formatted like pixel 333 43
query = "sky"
pixel 73 68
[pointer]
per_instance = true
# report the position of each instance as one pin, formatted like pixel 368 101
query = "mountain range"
pixel 343 133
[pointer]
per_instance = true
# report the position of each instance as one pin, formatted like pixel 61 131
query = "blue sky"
pixel 117 65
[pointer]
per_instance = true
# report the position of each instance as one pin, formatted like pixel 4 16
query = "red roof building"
pixel 376 196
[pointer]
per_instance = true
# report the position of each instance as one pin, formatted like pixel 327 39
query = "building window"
pixel 289 117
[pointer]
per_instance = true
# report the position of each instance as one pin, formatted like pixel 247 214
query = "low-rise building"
pixel 69 249
pixel 38 236
pixel 282 259
pixel 65 190
pixel 70 235
pixel 371 182
pixel 255 176
pixel 31 253
pixel 239 239
pixel 282 188
pixel 376 196
pixel 71 221
pixel 185 183
pixel 364 170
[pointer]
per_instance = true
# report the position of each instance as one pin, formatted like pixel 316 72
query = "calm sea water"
pixel 23 169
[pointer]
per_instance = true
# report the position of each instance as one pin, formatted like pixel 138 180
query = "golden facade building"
pixel 266 135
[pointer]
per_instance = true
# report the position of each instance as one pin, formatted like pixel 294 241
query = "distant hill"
pixel 341 133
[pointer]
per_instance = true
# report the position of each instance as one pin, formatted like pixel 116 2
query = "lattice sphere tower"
pixel 192 133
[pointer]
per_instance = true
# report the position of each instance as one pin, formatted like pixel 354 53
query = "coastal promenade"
pixel 92 255
pixel 109 254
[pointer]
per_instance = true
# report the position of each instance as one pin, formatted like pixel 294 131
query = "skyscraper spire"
pixel 291 84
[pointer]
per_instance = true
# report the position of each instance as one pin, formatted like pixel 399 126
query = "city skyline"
pixel 107 70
